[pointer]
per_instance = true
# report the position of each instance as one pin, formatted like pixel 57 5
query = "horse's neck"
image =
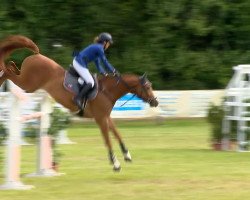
pixel 119 91
pixel 115 88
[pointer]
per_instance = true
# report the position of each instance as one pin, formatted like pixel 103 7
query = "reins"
pixel 120 80
pixel 128 100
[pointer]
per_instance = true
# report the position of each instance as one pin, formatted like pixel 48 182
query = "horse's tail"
pixel 14 42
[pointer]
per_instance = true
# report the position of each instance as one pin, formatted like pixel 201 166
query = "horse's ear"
pixel 143 78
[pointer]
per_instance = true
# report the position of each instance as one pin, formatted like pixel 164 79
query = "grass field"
pixel 171 161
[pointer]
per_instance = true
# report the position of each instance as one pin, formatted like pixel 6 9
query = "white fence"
pixel 185 103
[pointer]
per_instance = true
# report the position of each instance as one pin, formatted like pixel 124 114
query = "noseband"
pixel 143 89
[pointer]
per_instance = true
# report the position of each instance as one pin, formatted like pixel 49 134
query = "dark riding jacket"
pixel 94 52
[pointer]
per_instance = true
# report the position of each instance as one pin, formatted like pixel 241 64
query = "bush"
pixel 215 117
pixel 32 130
pixel 3 133
pixel 3 136
pixel 59 120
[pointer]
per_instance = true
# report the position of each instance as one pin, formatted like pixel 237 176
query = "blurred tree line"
pixel 184 44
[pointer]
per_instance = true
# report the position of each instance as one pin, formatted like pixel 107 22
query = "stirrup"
pixel 78 102
pixel 84 102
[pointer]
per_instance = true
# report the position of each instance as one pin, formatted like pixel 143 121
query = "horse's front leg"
pixel 104 126
pixel 126 154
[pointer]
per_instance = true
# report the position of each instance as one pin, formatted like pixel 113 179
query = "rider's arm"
pixel 99 66
pixel 106 63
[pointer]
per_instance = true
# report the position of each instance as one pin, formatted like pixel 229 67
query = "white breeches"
pixel 83 72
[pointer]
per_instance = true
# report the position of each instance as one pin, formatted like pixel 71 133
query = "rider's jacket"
pixel 94 53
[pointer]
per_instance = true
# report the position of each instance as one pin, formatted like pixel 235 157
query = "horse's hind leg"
pixel 13 68
pixel 9 72
pixel 3 74
pixel 103 124
pixel 2 77
pixel 10 68
pixel 126 154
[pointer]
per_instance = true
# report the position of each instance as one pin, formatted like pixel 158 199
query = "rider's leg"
pixel 88 79
pixel 83 71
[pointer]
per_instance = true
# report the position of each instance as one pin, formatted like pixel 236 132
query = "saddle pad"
pixel 70 83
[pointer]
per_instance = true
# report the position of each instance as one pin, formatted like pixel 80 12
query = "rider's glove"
pixel 115 73
pixel 104 74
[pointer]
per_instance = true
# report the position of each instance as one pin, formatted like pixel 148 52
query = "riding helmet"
pixel 105 37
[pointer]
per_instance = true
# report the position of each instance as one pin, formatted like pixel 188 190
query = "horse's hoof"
pixel 117 166
pixel 117 169
pixel 127 157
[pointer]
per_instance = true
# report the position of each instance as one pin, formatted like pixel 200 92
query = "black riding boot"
pixel 79 97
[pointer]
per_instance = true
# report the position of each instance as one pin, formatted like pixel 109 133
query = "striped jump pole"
pixel 44 147
pixel 13 148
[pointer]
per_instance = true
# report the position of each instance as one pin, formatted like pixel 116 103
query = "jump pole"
pixel 13 149
pixel 44 147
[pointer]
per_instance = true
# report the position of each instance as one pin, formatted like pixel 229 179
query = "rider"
pixel 92 53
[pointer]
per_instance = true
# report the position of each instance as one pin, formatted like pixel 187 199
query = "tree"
pixel 185 44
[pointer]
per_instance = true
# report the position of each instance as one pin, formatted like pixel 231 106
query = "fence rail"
pixel 186 103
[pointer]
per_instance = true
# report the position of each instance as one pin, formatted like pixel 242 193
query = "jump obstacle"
pixel 13 149
pixel 237 108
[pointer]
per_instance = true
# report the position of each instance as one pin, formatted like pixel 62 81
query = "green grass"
pixel 172 160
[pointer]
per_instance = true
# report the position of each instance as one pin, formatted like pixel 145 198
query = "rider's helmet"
pixel 105 37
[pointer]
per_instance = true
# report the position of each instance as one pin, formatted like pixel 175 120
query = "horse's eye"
pixel 148 86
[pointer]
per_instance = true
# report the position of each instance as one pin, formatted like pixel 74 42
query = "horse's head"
pixel 142 87
pixel 145 91
pixel 137 85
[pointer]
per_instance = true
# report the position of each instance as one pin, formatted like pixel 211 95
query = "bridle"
pixel 143 82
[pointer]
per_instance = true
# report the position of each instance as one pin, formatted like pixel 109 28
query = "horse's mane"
pixel 111 81
pixel 111 77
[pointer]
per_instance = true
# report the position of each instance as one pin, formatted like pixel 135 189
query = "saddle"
pixel 71 84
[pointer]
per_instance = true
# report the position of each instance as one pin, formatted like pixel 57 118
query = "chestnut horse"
pixel 40 72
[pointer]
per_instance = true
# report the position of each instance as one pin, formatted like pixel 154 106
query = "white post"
pixel 13 153
pixel 226 128
pixel 44 148
pixel 63 138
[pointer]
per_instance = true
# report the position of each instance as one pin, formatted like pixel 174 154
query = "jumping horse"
pixel 40 72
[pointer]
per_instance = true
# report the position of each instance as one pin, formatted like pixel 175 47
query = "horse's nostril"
pixel 156 103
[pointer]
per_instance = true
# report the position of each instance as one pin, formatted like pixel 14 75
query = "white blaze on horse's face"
pixel 148 89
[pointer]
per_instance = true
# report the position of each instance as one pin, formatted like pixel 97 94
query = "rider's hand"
pixel 115 73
